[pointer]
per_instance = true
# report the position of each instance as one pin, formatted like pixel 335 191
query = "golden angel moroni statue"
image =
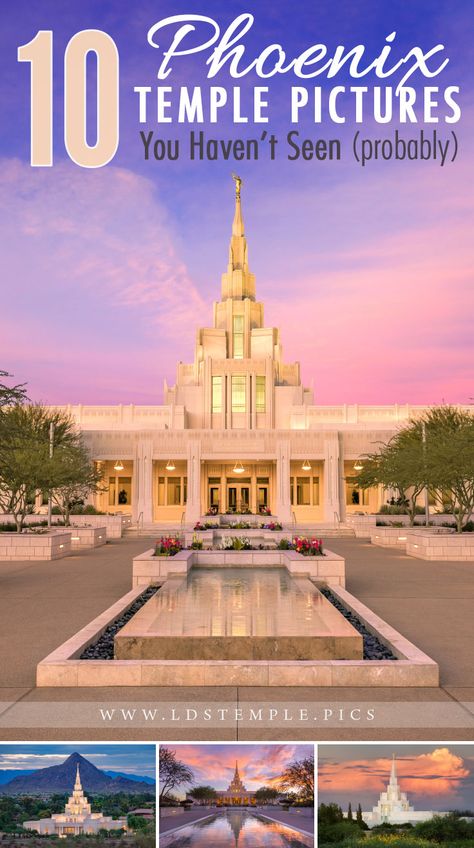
pixel 238 182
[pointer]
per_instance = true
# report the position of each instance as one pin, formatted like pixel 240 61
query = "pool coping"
pixel 64 668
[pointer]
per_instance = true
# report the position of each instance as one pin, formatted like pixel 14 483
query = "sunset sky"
pixel 435 778
pixel 106 273
pixel 259 765
pixel 128 759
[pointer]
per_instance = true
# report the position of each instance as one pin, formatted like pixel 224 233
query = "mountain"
pixel 135 777
pixel 9 774
pixel 61 779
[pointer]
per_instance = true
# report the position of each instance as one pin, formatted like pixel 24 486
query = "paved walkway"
pixel 431 603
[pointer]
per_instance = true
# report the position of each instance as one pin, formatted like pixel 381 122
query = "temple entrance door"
pixel 214 490
pixel 262 496
pixel 238 495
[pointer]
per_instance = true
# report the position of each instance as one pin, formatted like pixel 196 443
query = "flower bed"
pixel 168 546
pixel 308 547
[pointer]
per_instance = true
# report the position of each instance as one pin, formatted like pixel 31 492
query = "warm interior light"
pixel 118 465
pixel 358 465
pixel 238 468
pixel 306 465
pixel 170 466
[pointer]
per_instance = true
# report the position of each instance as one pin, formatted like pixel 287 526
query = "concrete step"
pixel 157 530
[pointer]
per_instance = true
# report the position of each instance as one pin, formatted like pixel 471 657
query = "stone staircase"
pixel 157 529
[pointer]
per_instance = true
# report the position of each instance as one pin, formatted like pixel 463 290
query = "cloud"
pixel 436 774
pixel 259 765
pixel 99 233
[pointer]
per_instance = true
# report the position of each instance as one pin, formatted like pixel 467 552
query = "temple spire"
pixel 393 773
pixel 238 283
pixel 238 223
pixel 78 784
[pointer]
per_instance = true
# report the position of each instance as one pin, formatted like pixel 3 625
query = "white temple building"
pixel 238 431
pixel 235 795
pixel 393 806
pixel 77 817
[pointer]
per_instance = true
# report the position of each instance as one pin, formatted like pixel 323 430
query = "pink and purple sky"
pixel 434 777
pixel 259 765
pixel 107 273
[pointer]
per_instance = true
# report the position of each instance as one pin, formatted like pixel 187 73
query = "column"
pixel 332 487
pixel 223 495
pixel 143 483
pixel 193 506
pixel 283 504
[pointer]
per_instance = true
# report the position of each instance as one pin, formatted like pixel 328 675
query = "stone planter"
pixel 398 537
pixel 35 546
pixel 114 524
pixel 449 547
pixel 363 525
pixel 148 569
pixel 84 538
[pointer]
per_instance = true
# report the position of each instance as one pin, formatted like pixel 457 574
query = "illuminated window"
pixel 217 394
pixel 354 495
pixel 260 402
pixel 174 491
pixel 238 334
pixel 120 491
pixel 161 491
pixel 303 491
pixel 238 392
pixel 315 491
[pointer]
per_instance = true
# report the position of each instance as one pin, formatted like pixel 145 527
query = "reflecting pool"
pixel 238 613
pixel 237 829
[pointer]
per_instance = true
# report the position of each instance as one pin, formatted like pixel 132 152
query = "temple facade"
pixel 77 818
pixel 236 795
pixel 393 806
pixel 238 432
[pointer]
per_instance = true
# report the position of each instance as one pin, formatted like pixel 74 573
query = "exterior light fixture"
pixel 238 468
pixel 170 466
pixel 118 465
pixel 306 465
pixel 358 465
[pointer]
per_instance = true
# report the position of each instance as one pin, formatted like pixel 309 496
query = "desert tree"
pixel 173 772
pixel 298 777
pixel 25 463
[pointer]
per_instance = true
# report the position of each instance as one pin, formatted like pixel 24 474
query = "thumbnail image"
pixel 236 796
pixel 409 796
pixel 87 795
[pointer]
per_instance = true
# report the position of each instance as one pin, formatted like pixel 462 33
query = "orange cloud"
pixel 437 773
pixel 259 765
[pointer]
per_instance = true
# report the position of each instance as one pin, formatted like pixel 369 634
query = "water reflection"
pixel 241 602
pixel 236 829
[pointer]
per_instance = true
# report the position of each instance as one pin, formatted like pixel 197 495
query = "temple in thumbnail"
pixel 238 431
pixel 393 806
pixel 77 818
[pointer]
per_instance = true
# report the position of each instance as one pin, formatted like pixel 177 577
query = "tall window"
pixel 174 491
pixel 303 491
pixel 120 491
pixel 217 394
pixel 238 392
pixel 260 401
pixel 354 495
pixel 238 334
